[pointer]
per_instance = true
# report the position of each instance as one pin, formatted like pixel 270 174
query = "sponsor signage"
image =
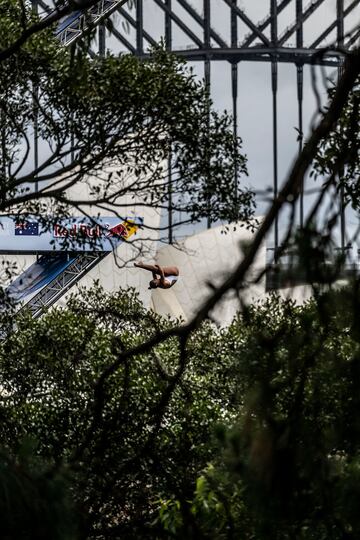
pixel 72 234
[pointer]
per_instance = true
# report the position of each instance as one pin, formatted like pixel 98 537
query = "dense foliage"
pixel 153 436
pixel 339 154
pixel 107 127
pixel 258 437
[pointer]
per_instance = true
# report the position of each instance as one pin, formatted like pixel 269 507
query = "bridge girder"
pixel 257 41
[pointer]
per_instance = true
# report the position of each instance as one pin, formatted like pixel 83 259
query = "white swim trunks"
pixel 172 279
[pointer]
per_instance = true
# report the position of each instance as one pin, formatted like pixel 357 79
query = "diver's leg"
pixel 149 267
pixel 170 270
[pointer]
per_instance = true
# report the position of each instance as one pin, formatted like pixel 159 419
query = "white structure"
pixel 204 260
pixel 207 258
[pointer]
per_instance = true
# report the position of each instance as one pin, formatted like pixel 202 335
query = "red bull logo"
pixel 84 230
pixel 118 230
pixel 77 230
pixel 74 233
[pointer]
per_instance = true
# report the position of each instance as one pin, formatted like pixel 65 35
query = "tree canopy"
pixel 142 117
pixel 257 437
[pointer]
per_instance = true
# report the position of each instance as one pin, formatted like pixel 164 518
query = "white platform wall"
pixel 209 256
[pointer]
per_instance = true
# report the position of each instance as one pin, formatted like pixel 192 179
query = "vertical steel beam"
pixel 36 137
pixel 234 86
pixel 207 23
pixel 35 8
pixel 234 29
pixel 72 136
pixel 102 39
pixel 300 84
pixel 340 41
pixel 3 152
pixel 168 44
pixel 139 27
pixel 340 22
pixel 274 84
pixel 168 25
pixel 274 81
pixel 207 74
pixel 207 43
pixel 170 201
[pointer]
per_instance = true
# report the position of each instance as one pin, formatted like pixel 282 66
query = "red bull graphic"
pixel 125 229
pixel 72 234
pixel 77 230
pixel 118 230
pixel 83 230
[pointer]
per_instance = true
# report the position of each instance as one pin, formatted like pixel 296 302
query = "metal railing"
pixel 74 25
pixel 54 290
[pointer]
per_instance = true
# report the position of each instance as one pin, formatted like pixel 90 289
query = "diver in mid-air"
pixel 164 277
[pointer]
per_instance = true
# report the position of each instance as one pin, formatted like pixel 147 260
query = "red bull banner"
pixel 32 235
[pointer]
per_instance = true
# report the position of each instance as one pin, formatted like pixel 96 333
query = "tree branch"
pixel 289 192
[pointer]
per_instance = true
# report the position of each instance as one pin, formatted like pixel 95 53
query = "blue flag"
pixel 27 228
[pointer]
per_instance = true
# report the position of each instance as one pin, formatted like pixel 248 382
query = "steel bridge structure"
pixel 244 38
pixel 130 26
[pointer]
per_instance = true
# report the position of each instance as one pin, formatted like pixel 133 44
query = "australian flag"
pixel 27 228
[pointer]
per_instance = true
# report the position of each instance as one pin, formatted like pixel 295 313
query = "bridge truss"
pixel 245 38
